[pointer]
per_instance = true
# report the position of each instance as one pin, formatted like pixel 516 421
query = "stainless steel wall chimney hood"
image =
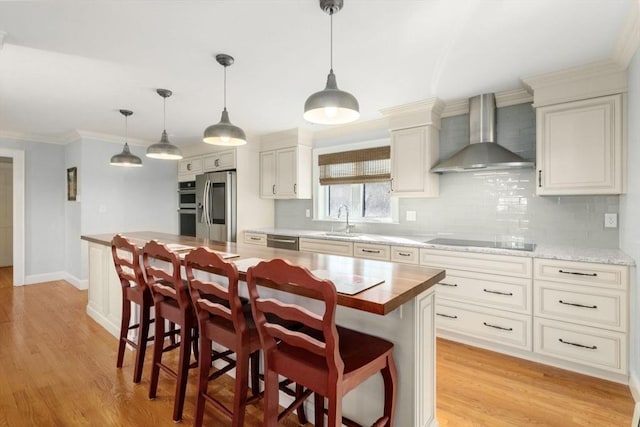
pixel 482 152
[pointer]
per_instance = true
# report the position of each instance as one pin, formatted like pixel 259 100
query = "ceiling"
pixel 70 65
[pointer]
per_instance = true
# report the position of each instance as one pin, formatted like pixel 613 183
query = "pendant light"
pixel 126 158
pixel 224 133
pixel 331 106
pixel 164 149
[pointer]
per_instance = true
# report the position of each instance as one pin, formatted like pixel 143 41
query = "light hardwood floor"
pixel 57 368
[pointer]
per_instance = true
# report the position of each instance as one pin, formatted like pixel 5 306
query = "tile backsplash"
pixel 490 205
pixel 499 205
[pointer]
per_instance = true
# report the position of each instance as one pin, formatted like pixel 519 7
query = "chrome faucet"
pixel 346 210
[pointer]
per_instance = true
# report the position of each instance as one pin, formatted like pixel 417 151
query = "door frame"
pixel 18 213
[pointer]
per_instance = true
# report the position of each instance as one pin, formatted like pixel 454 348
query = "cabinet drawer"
pixel 483 263
pixel 502 292
pixel 582 273
pixel 589 306
pixel 223 160
pixel 497 326
pixel 371 251
pixel 255 239
pixel 334 247
pixel 581 344
pixel 190 166
pixel 405 254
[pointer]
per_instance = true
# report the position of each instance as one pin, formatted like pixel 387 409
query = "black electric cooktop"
pixel 484 244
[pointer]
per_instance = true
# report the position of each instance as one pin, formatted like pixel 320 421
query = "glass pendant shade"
pixel 331 106
pixel 224 133
pixel 126 158
pixel 164 149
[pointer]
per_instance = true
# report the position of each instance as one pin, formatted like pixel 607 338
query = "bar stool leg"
pixel 318 401
pixel 158 344
pixel 204 363
pixel 143 334
pixel 124 330
pixel 241 388
pixel 183 369
pixel 390 377
pixel 271 404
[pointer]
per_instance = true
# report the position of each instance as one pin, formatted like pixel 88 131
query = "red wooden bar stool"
pixel 172 303
pixel 328 359
pixel 126 258
pixel 222 320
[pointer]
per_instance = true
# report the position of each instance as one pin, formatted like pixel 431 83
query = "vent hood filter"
pixel 483 152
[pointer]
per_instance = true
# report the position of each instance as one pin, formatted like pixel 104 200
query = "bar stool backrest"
pixel 165 284
pixel 126 259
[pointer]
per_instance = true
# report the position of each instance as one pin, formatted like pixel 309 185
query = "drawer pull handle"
pixel 404 254
pixel 371 251
pixel 446 315
pixel 489 291
pixel 451 285
pixel 590 347
pixel 255 238
pixel 577 273
pixel 577 305
pixel 496 327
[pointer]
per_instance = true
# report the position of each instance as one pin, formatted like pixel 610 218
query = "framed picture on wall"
pixel 72 183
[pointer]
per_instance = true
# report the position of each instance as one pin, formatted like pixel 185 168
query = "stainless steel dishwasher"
pixel 282 242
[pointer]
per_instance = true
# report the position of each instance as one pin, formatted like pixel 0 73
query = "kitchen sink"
pixel 341 234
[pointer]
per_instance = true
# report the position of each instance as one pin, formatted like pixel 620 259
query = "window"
pixel 365 201
pixel 357 176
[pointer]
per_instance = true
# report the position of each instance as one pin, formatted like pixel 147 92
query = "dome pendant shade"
pixel 126 158
pixel 164 149
pixel 331 106
pixel 224 133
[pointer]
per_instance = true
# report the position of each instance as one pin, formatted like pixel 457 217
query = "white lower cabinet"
pixel 333 247
pixel 405 254
pixel 498 326
pixel 593 347
pixel 255 238
pixel 371 251
pixel 581 313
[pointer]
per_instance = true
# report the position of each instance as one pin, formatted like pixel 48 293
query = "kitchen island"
pixel 400 309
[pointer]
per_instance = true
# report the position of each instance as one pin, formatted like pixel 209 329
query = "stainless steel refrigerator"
pixel 216 206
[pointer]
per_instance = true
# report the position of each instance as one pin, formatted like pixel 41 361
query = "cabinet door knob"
pixel 539 178
pixel 273 189
pixel 217 162
pixel 188 166
pixel 295 188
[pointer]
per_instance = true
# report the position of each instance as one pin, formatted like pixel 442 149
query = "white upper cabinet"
pixel 581 116
pixel 580 147
pixel 413 152
pixel 285 166
pixel 221 160
pixel 415 139
pixel 189 168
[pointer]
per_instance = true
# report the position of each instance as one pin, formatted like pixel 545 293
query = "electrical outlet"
pixel 610 220
pixel 411 215
pixel 307 213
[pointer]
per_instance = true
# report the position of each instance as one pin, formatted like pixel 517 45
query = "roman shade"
pixel 355 167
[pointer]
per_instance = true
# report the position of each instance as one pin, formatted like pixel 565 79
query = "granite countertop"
pixel 559 252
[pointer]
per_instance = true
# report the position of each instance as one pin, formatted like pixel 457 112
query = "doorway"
pixel 12 220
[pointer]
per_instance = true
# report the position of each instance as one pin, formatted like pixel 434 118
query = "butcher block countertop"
pixel 401 284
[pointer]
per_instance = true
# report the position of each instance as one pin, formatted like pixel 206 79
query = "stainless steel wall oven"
pixel 187 208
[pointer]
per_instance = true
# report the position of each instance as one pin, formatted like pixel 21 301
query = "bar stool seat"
pixel 325 358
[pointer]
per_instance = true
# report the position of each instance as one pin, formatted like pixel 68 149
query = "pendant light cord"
pixel 164 114
pixel 126 128
pixel 225 87
pixel 331 38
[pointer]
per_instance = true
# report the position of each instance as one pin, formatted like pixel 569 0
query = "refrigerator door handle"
pixel 205 203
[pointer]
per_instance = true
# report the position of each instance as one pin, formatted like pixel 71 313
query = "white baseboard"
pixel 81 284
pixel 46 277
pixel 635 422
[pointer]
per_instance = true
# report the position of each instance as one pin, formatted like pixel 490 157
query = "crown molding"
pixel 33 137
pixel 414 114
pixel 629 37
pixel 286 138
pixel 505 98
pixel 352 132
pixel 600 78
pixel 110 138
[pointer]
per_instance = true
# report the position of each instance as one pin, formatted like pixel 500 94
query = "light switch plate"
pixel 307 213
pixel 610 220
pixel 411 215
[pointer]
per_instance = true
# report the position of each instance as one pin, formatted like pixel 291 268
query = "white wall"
pixel 115 199
pixel 629 219
pixel 73 255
